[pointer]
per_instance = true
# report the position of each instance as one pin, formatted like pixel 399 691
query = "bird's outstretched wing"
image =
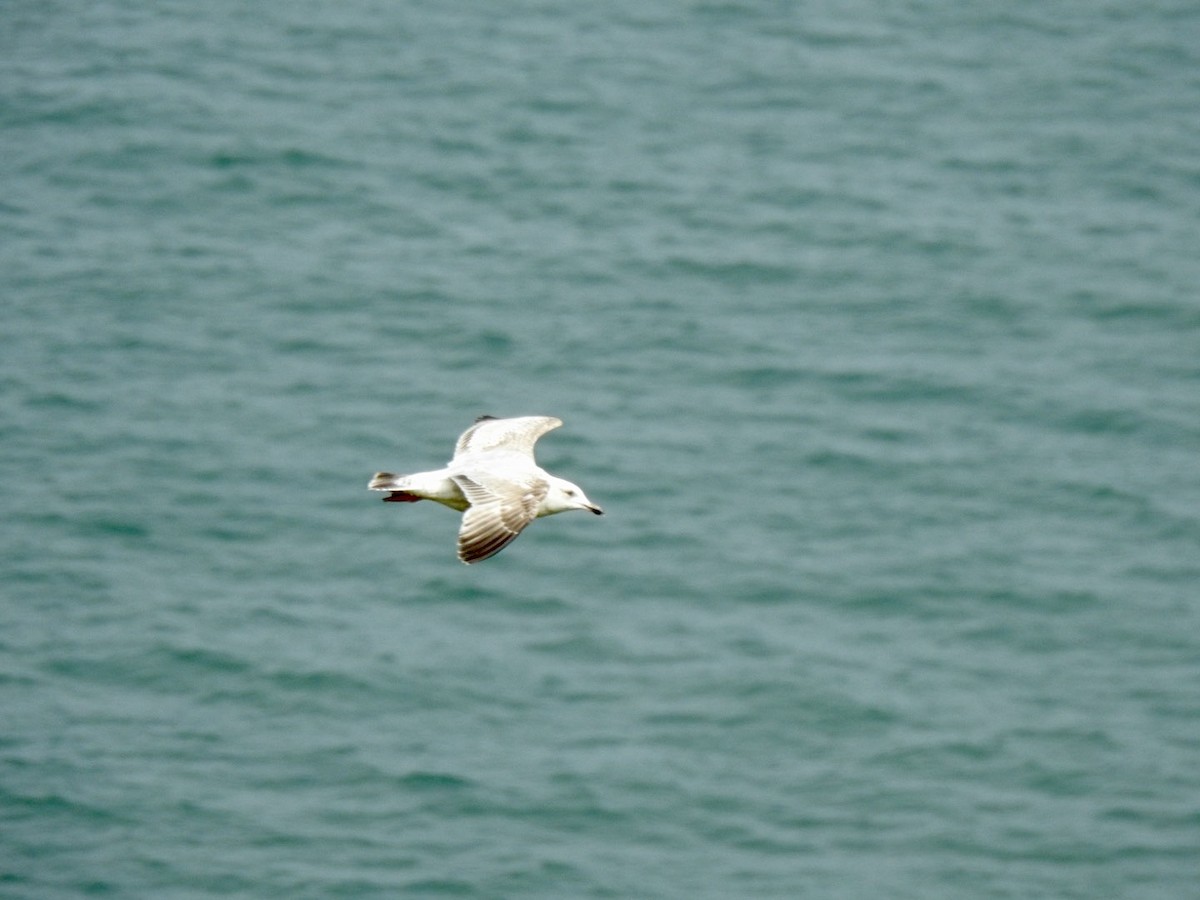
pixel 499 511
pixel 516 435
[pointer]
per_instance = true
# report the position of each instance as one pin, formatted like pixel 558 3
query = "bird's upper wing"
pixel 499 511
pixel 517 435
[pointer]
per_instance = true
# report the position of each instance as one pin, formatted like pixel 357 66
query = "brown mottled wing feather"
pixel 498 513
pixel 516 435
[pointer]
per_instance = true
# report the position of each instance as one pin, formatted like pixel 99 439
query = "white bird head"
pixel 563 495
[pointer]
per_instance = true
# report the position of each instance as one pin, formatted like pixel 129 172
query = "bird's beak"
pixel 597 510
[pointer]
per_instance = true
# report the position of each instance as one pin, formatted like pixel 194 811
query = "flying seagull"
pixel 494 482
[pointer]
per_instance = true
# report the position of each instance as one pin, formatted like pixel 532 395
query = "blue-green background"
pixel 875 327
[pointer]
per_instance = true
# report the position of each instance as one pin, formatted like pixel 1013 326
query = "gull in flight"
pixel 494 482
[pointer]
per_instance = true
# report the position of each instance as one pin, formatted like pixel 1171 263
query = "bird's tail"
pixel 386 481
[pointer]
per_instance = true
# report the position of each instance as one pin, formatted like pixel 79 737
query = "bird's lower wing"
pixel 498 513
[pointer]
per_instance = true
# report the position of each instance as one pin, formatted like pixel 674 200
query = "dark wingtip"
pixel 484 418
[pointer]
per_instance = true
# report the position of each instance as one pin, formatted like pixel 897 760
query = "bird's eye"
pixel 570 493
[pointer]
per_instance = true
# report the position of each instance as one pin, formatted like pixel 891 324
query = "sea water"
pixel 874 328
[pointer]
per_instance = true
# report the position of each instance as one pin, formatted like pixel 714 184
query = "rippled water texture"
pixel 874 329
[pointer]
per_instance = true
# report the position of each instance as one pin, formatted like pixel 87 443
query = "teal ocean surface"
pixel 875 328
